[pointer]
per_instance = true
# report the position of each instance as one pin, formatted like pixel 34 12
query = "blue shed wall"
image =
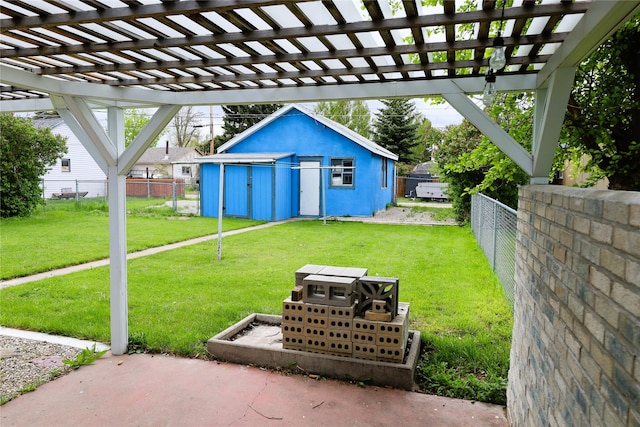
pixel 383 196
pixel 261 192
pixel 209 189
pixel 295 191
pixel 299 133
pixel 237 200
pixel 283 190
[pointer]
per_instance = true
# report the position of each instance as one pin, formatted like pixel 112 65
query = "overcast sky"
pixel 440 115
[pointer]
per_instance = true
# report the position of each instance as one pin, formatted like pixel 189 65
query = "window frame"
pixel 339 171
pixel 66 168
pixel 385 174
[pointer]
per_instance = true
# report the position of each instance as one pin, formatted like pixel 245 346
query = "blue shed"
pixel 297 163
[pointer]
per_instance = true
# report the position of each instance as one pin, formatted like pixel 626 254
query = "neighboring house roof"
pixel 426 167
pixel 156 155
pixel 341 129
pixel 50 122
pixel 243 158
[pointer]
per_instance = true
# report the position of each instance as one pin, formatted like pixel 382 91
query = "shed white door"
pixel 310 188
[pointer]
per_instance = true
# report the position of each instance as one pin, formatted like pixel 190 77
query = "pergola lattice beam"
pixel 374 90
pixel 316 56
pixel 133 12
pixel 597 24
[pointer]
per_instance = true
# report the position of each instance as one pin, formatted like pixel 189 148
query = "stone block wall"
pixel 575 356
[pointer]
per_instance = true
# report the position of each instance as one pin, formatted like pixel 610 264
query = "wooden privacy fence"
pixel 401 182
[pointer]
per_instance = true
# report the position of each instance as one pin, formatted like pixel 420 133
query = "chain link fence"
pixel 494 226
pixel 160 188
pixel 91 189
pixel 73 189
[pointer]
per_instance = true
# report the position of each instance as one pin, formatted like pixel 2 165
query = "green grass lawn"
pixel 65 233
pixel 181 298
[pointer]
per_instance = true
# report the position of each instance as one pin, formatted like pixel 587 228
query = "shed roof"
pixel 341 129
pixel 249 158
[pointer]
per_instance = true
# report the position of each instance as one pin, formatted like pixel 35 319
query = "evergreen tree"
pixel 353 114
pixel 395 126
pixel 238 118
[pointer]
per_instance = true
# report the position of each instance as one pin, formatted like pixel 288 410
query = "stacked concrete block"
pixel 364 339
pixel 339 329
pixel 306 271
pixel 326 318
pixel 329 290
pixel 324 270
pixel 378 311
pixel 293 324
pixel 372 288
pixel 392 337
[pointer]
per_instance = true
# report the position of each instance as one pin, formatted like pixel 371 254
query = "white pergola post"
pixel 220 209
pixel 109 152
pixel 118 238
pixel 549 111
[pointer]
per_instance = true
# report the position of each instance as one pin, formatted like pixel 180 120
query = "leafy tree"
pixel 459 139
pixel 514 113
pixel 26 152
pixel 238 118
pixel 428 139
pixel 134 120
pixel 395 128
pixel 603 118
pixel 479 165
pixel 353 114
pixel 186 126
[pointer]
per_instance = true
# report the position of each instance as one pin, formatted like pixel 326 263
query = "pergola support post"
pixel 549 111
pixel 118 239
pixel 109 152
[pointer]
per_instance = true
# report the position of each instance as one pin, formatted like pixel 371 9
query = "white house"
pixel 76 171
pixel 168 162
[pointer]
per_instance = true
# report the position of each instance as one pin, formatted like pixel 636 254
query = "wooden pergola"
pixel 75 56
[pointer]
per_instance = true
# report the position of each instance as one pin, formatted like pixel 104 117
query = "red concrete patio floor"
pixel 145 390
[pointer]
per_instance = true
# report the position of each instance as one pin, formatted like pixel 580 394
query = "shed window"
pixel 186 170
pixel 342 172
pixel 384 173
pixel 66 165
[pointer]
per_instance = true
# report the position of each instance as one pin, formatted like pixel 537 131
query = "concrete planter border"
pixel 397 375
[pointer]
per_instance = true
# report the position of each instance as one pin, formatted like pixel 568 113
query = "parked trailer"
pixel 431 191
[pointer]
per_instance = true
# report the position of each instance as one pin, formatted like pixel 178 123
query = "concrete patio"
pixel 156 390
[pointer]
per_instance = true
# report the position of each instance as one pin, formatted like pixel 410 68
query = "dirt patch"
pixel 399 215
pixel 395 215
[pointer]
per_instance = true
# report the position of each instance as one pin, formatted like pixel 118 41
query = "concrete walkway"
pixel 54 339
pixel 145 390
pixel 133 255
